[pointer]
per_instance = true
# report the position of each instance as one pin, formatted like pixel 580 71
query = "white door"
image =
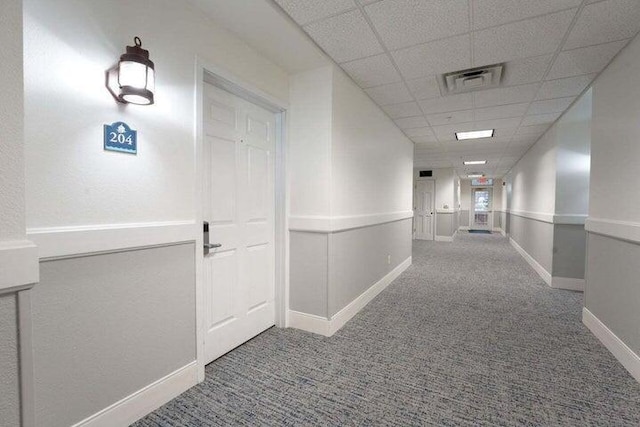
pixel 239 205
pixel 423 209
pixel 481 215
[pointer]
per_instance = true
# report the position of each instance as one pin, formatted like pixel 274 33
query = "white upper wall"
pixel 372 160
pixel 71 181
pixel 445 187
pixel 573 133
pixel 533 178
pixel 12 215
pixel 309 153
pixel 615 144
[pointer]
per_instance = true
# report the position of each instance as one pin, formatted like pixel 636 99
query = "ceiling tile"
pixel 394 93
pixel 345 37
pixel 304 11
pixel 420 132
pixel 445 104
pixel 402 23
pixel 434 58
pixel 584 60
pixel 429 139
pixel 522 39
pixel 412 122
pixel 450 118
pixel 550 106
pixel 424 88
pixel 604 22
pixel 533 130
pixel 505 95
pixel 489 13
pixel 525 70
pixel 512 122
pixel 372 71
pixel 564 87
pixel 539 119
pixel 406 109
pixel 501 112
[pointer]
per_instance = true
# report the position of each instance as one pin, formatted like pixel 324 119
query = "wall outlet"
pixel 389 259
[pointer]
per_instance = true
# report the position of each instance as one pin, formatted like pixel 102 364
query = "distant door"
pixel 424 201
pixel 239 205
pixel 481 216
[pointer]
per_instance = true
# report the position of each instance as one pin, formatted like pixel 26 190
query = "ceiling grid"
pixel 396 49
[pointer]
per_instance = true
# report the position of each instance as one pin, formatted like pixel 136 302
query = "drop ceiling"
pixel 395 49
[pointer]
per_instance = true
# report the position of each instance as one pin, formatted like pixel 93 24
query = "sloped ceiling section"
pixel 394 49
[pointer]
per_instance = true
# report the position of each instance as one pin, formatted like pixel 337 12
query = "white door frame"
pixel 434 216
pixel 209 73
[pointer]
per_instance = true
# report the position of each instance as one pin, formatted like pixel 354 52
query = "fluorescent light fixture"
pixel 475 176
pixel 475 134
pixel 475 162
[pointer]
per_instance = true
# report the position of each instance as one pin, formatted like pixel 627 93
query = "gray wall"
pixel 444 224
pixel 308 277
pixel 497 219
pixel 464 218
pixel 105 326
pixel 613 286
pixel 569 251
pixel 9 368
pixel 535 237
pixel 359 259
pixel 330 270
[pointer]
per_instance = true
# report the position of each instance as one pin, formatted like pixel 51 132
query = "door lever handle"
pixel 212 245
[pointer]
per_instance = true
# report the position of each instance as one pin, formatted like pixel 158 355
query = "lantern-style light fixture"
pixel 132 81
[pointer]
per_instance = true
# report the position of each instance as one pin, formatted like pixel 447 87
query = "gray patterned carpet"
pixel 469 335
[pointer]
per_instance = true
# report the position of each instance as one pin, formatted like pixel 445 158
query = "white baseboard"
pixel 496 229
pixel 463 228
pixel 310 323
pixel 546 276
pixel 145 400
pixel 567 283
pixel 504 233
pixel 615 345
pixel 328 327
pixel 444 239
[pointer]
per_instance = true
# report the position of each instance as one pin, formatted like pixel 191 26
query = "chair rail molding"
pixel 20 269
pixel 333 224
pixel 621 230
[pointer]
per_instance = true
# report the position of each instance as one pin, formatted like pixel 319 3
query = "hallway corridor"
pixel 469 335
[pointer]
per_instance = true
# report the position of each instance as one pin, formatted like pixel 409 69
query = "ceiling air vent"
pixel 470 80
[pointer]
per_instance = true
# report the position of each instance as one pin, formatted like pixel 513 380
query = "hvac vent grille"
pixel 470 80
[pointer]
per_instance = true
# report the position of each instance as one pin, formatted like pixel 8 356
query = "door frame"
pixel 206 72
pixel 433 201
pixel 473 207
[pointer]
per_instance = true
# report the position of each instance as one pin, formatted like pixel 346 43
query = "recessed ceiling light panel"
pixel 475 134
pixel 475 176
pixel 475 162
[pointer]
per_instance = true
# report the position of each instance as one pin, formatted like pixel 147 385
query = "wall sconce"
pixel 132 81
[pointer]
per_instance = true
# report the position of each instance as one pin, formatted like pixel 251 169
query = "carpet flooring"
pixel 468 335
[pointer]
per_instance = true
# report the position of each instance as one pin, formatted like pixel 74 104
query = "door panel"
pixel 481 205
pixel 423 210
pixel 239 204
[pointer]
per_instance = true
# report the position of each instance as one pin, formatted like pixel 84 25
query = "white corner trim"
pixel 546 276
pixel 146 400
pixel 538 216
pixel 332 224
pixel 343 316
pixel 60 242
pixel 309 322
pixel 623 230
pixel 444 238
pixel 327 327
pixel 615 345
pixel 567 283
pixel 20 268
pixel 569 219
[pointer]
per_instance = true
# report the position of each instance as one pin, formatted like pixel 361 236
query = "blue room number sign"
pixel 120 137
